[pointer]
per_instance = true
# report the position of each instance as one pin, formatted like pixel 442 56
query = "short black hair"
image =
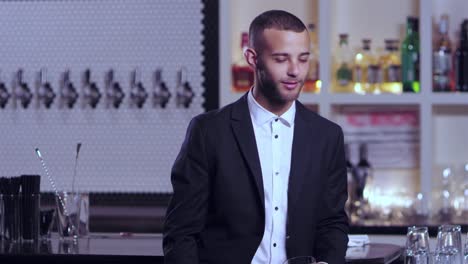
pixel 273 19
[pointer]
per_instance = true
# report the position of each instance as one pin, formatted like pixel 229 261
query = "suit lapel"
pixel 302 156
pixel 243 131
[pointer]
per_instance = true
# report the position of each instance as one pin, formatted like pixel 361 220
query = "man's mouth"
pixel 290 85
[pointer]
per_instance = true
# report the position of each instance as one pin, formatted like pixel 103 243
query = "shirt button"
pixel 276 119
pixel 276 136
pixel 276 173
pixel 274 244
pixel 276 208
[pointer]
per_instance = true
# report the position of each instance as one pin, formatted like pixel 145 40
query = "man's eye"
pixel 280 59
pixel 304 59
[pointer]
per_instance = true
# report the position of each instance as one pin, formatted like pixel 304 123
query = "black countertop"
pixel 140 249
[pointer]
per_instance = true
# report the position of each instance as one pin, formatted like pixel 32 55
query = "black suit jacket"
pixel 216 214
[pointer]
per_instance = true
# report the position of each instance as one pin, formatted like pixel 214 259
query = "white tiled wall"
pixel 125 149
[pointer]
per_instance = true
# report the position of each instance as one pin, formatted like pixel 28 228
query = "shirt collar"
pixel 261 116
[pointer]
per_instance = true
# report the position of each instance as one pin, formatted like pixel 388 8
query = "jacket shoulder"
pixel 317 120
pixel 214 116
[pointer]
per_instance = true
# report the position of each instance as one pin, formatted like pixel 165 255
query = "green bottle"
pixel 344 74
pixel 410 57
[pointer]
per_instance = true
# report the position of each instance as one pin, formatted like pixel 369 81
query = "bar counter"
pixel 141 249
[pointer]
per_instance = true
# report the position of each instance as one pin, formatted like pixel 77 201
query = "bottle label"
pixel 242 78
pixel 394 73
pixel 411 67
pixel 442 63
pixel 344 75
pixel 357 73
pixel 374 74
pixel 362 174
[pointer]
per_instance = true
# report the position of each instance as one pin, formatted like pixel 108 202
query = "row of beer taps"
pixel 113 94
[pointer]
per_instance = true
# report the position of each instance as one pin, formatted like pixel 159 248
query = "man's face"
pixel 282 64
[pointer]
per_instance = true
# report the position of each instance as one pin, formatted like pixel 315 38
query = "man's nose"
pixel 293 69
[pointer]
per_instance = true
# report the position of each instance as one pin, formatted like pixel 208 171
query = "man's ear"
pixel 250 56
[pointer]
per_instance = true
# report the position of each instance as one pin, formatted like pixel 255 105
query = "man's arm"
pixel 186 213
pixel 332 229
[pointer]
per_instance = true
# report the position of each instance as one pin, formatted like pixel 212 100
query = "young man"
pixel 263 179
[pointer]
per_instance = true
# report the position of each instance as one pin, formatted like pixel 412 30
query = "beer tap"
pixel 114 92
pixel 91 94
pixel 68 93
pixel 138 94
pixel 4 94
pixel 44 93
pixel 21 91
pixel 184 90
pixel 161 93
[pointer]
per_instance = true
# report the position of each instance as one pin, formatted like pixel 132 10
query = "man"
pixel 263 179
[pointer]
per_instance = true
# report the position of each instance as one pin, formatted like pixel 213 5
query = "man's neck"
pixel 274 107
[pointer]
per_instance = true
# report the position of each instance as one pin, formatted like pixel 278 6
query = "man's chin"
pixel 290 95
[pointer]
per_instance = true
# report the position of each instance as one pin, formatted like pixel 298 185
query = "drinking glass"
pixel 68 214
pixel 417 245
pixel 465 253
pixel 449 242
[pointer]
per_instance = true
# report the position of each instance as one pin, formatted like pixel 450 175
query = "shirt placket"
pixel 276 199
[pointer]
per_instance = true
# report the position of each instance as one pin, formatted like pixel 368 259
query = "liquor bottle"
pixel 242 73
pixel 465 194
pixel 364 180
pixel 390 62
pixel 410 57
pixel 362 60
pixel 312 78
pixel 442 59
pixel 461 60
pixel 343 66
pixel 446 211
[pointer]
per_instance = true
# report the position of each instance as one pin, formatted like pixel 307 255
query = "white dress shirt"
pixel 274 136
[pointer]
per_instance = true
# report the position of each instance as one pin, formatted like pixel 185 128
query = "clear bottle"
pixel 410 57
pixel 374 74
pixel 362 60
pixel 242 73
pixel 446 213
pixel 442 59
pixel 312 78
pixel 364 178
pixel 390 62
pixel 343 66
pixel 461 60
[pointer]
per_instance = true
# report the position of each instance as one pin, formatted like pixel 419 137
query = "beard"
pixel 271 90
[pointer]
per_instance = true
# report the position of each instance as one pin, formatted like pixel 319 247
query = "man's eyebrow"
pixel 278 54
